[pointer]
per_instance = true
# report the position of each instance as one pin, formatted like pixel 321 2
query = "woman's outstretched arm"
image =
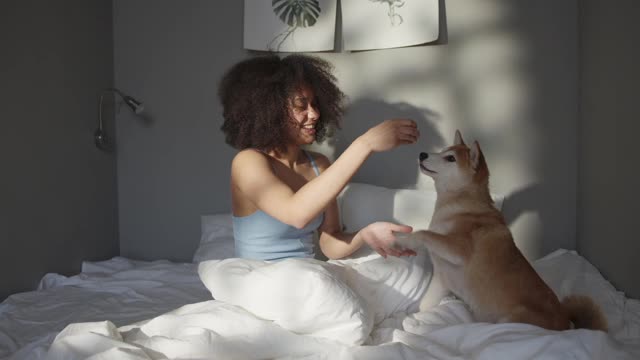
pixel 251 175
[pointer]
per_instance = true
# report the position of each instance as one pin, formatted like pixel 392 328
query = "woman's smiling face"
pixel 304 112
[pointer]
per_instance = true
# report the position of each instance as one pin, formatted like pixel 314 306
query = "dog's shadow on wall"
pixel 527 201
pixel 396 168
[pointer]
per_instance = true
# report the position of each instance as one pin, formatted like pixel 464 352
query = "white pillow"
pixel 216 238
pixel 306 296
pixel 361 204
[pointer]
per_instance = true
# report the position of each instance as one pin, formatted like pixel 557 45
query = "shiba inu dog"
pixel 474 255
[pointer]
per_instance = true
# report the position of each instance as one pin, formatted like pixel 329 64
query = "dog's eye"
pixel 450 158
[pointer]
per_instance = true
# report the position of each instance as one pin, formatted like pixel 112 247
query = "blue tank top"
pixel 263 237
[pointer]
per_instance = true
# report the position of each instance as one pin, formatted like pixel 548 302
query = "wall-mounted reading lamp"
pixel 100 138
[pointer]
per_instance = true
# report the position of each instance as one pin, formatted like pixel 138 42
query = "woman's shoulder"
pixel 249 165
pixel 250 153
pixel 249 156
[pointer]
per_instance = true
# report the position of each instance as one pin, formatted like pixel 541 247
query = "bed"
pixel 362 307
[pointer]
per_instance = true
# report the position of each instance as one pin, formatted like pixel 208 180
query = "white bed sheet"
pixel 122 291
pixel 119 289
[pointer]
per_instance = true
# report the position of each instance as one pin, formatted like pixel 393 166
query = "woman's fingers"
pixel 393 252
pixel 400 228
pixel 408 132
pixel 406 122
pixel 411 131
pixel 391 133
pixel 382 237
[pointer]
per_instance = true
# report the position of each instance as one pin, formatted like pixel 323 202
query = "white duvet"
pixel 119 289
pixel 353 309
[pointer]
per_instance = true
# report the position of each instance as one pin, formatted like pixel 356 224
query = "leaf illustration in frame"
pixel 294 13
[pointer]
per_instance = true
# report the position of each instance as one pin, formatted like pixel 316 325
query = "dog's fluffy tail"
pixel 584 313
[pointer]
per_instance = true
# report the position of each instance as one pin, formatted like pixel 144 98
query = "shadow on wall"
pixel 522 203
pixel 396 168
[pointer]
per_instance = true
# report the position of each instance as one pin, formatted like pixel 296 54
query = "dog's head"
pixel 456 167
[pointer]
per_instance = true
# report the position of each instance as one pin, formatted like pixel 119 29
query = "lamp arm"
pixel 99 135
pixel 105 91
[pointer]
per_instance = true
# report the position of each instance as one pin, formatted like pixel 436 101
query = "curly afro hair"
pixel 255 97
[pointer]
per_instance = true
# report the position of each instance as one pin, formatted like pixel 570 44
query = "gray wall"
pixel 507 76
pixel 608 166
pixel 57 192
pixel 505 73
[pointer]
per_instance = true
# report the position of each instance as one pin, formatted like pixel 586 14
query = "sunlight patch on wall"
pixel 489 68
pixel 478 82
pixel 375 74
pixel 492 79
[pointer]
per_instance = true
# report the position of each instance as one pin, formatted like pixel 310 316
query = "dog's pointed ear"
pixel 477 157
pixel 458 138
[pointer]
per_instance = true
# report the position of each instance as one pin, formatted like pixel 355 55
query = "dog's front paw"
pixel 411 241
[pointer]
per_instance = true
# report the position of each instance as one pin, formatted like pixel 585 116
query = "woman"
pixel 281 194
